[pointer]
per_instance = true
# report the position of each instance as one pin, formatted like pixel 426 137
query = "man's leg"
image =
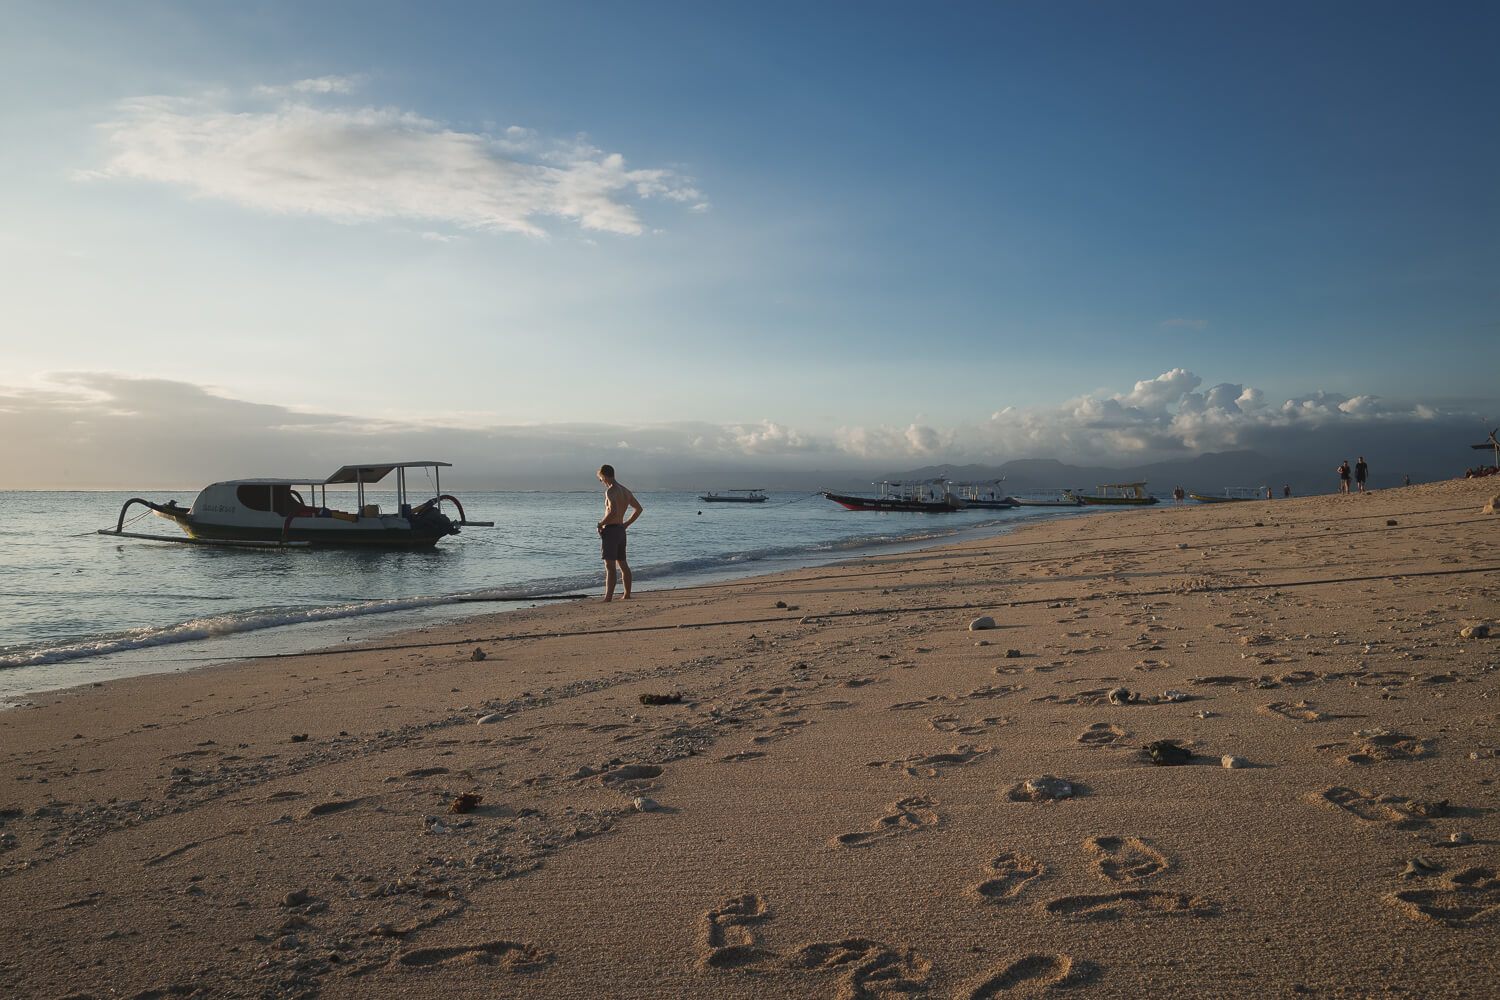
pixel 609 579
pixel 624 576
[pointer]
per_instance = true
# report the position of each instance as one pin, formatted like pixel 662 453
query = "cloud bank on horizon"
pixel 300 148
pixel 99 430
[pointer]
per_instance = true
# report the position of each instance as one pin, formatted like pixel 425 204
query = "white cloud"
pixel 362 164
pixel 315 85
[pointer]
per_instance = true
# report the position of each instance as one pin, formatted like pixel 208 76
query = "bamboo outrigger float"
pixel 275 513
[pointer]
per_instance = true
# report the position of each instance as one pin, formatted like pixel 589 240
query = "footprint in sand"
pixel 1129 902
pixel 1377 807
pixel 1467 898
pixel 906 816
pixel 1102 734
pixel 512 956
pixel 868 968
pixel 735 758
pixel 1012 873
pixel 729 940
pixel 954 724
pixel 1380 746
pixel 1028 975
pixel 1125 859
pixel 932 765
pixel 1298 711
pixel 630 775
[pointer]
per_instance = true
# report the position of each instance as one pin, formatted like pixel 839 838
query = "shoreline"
pixel 837 802
pixel 299 638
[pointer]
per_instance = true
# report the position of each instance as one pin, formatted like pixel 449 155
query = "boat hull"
pixel 893 505
pixel 1203 499
pixel 1118 501
pixel 1045 503
pixel 1005 504
pixel 351 537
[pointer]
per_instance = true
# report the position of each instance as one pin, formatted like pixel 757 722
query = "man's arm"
pixel 639 510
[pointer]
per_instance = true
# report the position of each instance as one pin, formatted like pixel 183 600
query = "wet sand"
pixel 843 803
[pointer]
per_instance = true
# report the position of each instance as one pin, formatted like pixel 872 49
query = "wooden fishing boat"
pixel 919 498
pixel 735 496
pixel 1232 494
pixel 1123 495
pixel 1063 499
pixel 275 512
pixel 985 496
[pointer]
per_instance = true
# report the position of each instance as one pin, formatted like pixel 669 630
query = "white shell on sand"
pixel 485 720
pixel 981 623
pixel 1231 761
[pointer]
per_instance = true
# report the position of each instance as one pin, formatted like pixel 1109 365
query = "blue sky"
pixel 852 224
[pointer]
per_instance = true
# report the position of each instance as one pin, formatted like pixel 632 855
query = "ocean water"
pixel 76 606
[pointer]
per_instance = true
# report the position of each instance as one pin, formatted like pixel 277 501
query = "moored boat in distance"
pixel 274 512
pixel 1063 498
pixel 985 495
pixel 1126 494
pixel 1233 494
pixel 930 496
pixel 735 496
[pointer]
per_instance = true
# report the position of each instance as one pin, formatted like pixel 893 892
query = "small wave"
pixel 209 628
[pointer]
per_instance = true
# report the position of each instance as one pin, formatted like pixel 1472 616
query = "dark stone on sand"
pixel 299 737
pixel 661 699
pixel 1165 753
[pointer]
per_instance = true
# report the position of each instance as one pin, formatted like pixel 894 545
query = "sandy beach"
pixel 845 801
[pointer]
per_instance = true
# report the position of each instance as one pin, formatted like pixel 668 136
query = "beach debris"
pixel 8 842
pixel 1233 762
pixel 642 804
pixel 1475 632
pixel 982 642
pixel 1173 695
pixel 1420 868
pixel 485 720
pixel 1121 696
pixel 1493 507
pixel 661 699
pixel 478 655
pixel 466 802
pixel 1182 545
pixel 1012 654
pixel 781 604
pixel 1047 788
pixel 1390 522
pixel 981 623
pixel 1166 753
pixel 297 897
pixel 1204 713
pixel 299 737
pixel 1460 838
pixel 1255 640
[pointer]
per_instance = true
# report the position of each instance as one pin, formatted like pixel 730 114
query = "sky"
pixel 784 235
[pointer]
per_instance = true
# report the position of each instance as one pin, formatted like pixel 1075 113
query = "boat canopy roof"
pixel 376 472
pixel 1121 486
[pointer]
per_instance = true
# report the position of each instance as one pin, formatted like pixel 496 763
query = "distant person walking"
pixel 1178 495
pixel 1344 476
pixel 1286 491
pixel 1361 471
pixel 617 500
pixel 1406 480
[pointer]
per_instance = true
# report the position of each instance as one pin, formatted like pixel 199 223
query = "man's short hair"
pixel 607 470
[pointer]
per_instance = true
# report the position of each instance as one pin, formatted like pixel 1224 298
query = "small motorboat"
pixel 1063 499
pixel 1123 495
pixel 923 497
pixel 735 496
pixel 275 512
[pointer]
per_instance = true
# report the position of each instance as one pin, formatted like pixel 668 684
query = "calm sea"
pixel 76 606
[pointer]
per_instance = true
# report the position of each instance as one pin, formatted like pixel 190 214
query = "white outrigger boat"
pixel 274 512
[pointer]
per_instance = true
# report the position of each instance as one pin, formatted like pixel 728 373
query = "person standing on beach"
pixel 1361 470
pixel 617 500
pixel 1344 476
pixel 1286 491
pixel 1177 495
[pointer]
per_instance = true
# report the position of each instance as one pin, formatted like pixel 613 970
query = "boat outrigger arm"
pixel 274 513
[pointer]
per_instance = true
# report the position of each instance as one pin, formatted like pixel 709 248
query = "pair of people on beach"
pixel 1361 473
pixel 617 500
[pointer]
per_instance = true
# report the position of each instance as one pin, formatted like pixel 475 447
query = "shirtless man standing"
pixel 617 499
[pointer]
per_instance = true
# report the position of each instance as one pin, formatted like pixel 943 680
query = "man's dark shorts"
pixel 612 540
